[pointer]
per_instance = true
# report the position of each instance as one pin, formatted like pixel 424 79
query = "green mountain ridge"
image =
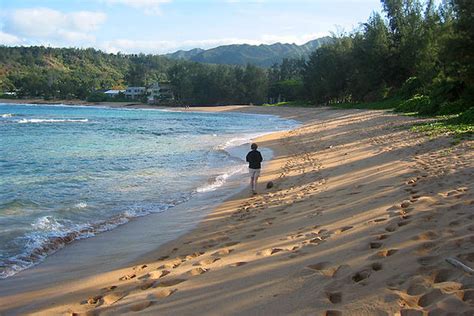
pixel 258 55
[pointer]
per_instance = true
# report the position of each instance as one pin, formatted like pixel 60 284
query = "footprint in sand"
pixel 426 247
pixel 140 268
pixel 376 266
pixel 111 298
pixel 333 313
pixel 429 298
pixel 427 235
pixel 343 229
pixel 383 236
pixel 127 277
pixel 375 245
pixel 154 275
pixel 385 253
pixel 428 260
pixel 170 282
pixel 206 262
pixel 94 300
pixel 361 275
pixel 391 228
pixel 194 255
pixel 334 297
pixel 269 252
pixel 325 268
pixel 197 271
pixel 146 285
pixel 403 223
pixel 140 306
pixel 164 293
pixel 238 264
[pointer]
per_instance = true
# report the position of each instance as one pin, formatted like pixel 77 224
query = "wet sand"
pixel 360 221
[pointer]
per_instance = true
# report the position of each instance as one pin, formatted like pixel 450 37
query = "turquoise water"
pixel 71 172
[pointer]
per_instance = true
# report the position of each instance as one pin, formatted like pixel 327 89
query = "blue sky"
pixel 161 26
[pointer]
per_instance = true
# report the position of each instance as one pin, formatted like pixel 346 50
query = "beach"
pixel 360 220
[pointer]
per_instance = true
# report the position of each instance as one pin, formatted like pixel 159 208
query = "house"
pixel 153 93
pixel 166 91
pixel 135 92
pixel 159 92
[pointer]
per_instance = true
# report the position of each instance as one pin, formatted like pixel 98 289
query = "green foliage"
pixel 297 104
pixel 411 87
pixel 457 106
pixel 386 104
pixel 419 103
pixel 54 73
pixel 466 117
pixel 97 97
pixel 420 52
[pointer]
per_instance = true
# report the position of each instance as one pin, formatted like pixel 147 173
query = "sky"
pixel 163 26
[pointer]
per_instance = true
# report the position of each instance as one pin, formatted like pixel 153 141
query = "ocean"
pixel 71 172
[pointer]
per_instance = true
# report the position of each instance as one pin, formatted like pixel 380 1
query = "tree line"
pixel 418 52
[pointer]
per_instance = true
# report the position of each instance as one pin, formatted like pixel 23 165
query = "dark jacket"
pixel 254 158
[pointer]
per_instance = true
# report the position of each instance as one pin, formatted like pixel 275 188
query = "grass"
pixel 387 104
pixel 303 104
pixel 454 125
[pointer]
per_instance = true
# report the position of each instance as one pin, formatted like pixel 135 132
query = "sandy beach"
pixel 360 221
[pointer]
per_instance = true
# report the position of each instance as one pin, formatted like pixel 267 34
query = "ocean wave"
pixel 220 180
pixel 6 115
pixel 23 121
pixel 49 234
pixel 80 205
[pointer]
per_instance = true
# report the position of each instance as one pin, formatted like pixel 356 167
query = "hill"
pixel 242 54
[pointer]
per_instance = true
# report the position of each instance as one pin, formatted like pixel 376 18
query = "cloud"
pixel 36 24
pixel 148 6
pixel 162 47
pixel 8 39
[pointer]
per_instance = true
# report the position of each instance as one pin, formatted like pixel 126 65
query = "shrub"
pixel 455 107
pixel 419 103
pixel 411 87
pixel 465 118
pixel 97 97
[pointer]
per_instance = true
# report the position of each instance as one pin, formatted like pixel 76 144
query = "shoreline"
pixel 224 192
pixel 343 208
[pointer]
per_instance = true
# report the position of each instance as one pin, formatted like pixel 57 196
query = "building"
pixel 135 92
pixel 153 93
pixel 113 93
pixel 159 92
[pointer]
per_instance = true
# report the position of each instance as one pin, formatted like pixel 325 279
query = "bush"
pixel 419 103
pixel 465 118
pixel 411 87
pixel 97 97
pixel 446 90
pixel 455 107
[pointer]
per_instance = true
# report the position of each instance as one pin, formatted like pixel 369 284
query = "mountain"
pixel 242 54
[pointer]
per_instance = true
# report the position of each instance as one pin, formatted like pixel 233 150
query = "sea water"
pixel 71 172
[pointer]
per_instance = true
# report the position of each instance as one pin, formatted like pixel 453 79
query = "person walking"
pixel 254 158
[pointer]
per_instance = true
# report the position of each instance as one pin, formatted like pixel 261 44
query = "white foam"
pixel 23 121
pixel 220 180
pixel 81 205
pixel 6 115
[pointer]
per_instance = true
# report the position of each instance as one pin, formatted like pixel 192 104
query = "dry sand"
pixel 360 220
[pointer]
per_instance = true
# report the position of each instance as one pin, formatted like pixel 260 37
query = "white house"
pixel 159 92
pixel 135 92
pixel 153 92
